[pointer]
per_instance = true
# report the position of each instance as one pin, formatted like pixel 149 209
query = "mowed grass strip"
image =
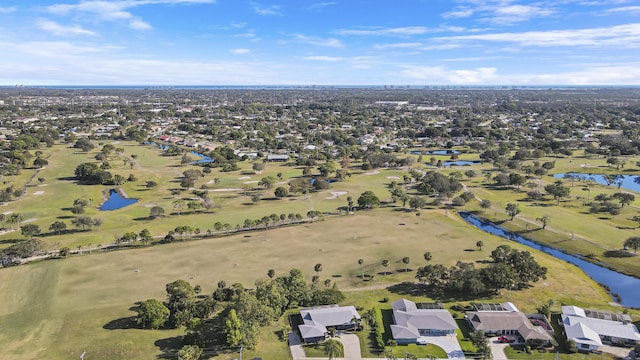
pixel 87 299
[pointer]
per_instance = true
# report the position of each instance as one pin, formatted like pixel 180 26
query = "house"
pixel 411 322
pixel 316 320
pixel 277 157
pixel 505 319
pixel 590 329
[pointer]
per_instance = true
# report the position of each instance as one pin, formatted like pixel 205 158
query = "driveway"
pixel 295 345
pixel 497 349
pixel 351 345
pixel 448 343
pixel 622 353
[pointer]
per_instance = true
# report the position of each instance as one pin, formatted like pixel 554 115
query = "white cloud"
pixel 628 10
pixel 240 51
pixel 511 14
pixel 627 35
pixel 320 6
pixel 138 24
pixel 459 13
pixel 441 75
pixel 398 31
pixel 116 10
pixel 398 46
pixel 500 12
pixel 327 42
pixel 324 58
pixel 57 29
pixel 7 9
pixel 271 10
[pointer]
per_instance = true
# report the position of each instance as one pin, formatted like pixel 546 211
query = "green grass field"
pixel 61 306
pixel 56 309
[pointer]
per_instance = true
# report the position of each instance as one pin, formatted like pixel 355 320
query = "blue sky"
pixel 319 42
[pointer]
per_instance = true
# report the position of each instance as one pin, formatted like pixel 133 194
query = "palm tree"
pixel 405 261
pixel 385 263
pixel 479 244
pixel 318 269
pixel 361 262
pixel 333 348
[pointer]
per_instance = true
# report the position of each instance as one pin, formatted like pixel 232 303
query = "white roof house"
pixel 411 323
pixel 592 328
pixel 317 319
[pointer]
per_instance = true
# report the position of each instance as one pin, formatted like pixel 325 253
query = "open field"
pixel 64 306
pixel 61 307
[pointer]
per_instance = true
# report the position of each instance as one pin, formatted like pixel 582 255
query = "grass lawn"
pixel 519 354
pixel 50 303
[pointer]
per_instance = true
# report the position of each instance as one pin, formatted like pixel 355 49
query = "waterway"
pixel 434 152
pixel 627 287
pixel 116 201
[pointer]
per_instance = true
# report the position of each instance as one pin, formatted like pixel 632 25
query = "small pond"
pixel 450 163
pixel 627 182
pixel 116 201
pixel 203 158
pixel 434 152
pixel 627 287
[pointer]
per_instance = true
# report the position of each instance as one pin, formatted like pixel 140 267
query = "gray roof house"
pixel 316 320
pixel 410 322
pixel 590 329
pixel 505 319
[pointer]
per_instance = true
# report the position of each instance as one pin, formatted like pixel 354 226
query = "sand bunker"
pixel 335 194
pixel 38 193
pixel 226 189
pixel 393 177
pixel 372 172
pixel 251 182
pixel 244 177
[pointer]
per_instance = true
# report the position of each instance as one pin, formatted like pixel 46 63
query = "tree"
pixel 485 204
pixel 624 198
pixel 557 190
pixel 30 230
pixel 190 352
pixel 427 256
pixel 479 244
pixel 405 261
pixel 385 263
pixel 82 222
pixel 271 273
pixel 633 243
pixel 361 263
pixel 258 167
pixel 545 220
pixel 15 218
pixel 152 314
pixel 79 205
pixel 233 329
pixel 368 200
pixel 417 202
pixel 178 205
pixel 267 182
pixel 318 268
pixel 156 212
pixel 512 210
pixel 58 227
pixel 281 192
pixel 333 348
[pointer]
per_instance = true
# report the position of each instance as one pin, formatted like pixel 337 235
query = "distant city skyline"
pixel 304 42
